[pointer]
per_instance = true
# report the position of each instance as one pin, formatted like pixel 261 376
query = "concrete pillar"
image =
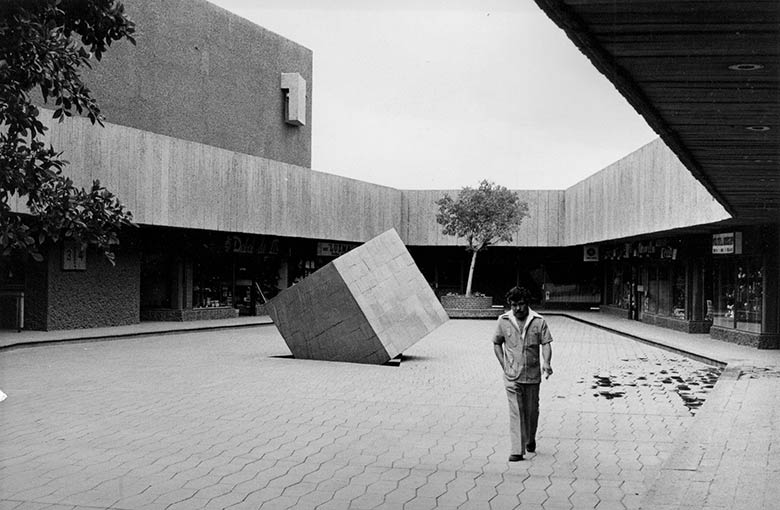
pixel 187 279
pixel 284 275
pixel 694 291
pixel 770 316
pixel 177 284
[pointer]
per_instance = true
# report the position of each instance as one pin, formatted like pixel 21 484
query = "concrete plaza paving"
pixel 224 419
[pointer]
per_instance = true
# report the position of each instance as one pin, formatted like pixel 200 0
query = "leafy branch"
pixel 43 46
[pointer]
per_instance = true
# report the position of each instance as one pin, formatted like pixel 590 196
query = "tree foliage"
pixel 483 216
pixel 43 46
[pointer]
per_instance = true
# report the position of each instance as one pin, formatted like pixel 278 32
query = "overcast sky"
pixel 442 94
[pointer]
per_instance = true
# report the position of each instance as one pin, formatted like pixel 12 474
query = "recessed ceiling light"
pixel 746 67
pixel 757 128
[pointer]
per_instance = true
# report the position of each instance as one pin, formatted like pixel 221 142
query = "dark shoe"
pixel 515 458
pixel 531 447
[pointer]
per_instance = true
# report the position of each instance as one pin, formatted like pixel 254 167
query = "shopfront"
pixel 193 274
pixel 717 283
pixel 658 281
pixel 308 255
pixel 241 271
pixel 743 303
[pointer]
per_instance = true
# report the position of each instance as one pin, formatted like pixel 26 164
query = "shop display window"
pixel 212 282
pixel 748 298
pixel 304 269
pixel 723 306
pixel 739 294
pixel 651 291
pixel 620 294
pixel 664 292
pixel 678 294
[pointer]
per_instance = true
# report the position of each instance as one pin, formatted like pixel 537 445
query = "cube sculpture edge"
pixel 366 306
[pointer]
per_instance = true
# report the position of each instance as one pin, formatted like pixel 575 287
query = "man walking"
pixel 520 335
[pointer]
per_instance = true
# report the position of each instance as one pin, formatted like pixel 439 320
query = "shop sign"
pixel 252 245
pixel 74 257
pixel 668 252
pixel 327 249
pixel 590 253
pixel 727 243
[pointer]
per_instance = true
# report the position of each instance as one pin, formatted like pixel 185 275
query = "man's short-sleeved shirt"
pixel 521 343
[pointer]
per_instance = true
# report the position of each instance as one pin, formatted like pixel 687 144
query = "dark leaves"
pixel 43 45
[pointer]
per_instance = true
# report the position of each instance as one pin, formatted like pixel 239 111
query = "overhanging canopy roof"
pixel 705 74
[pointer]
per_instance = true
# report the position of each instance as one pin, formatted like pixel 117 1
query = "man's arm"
pixel 498 349
pixel 498 344
pixel 547 359
pixel 546 351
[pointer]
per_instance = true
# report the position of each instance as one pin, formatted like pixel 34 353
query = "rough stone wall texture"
pixel 366 306
pixel 197 314
pixel 201 73
pixel 467 303
pixel 686 326
pixel 759 340
pixel 481 313
pixel 103 295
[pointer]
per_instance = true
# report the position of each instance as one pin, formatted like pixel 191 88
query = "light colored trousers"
pixel 523 414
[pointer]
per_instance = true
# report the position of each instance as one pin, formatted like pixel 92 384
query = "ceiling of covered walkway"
pixel 705 74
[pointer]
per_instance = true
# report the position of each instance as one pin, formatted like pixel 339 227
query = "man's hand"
pixel 548 371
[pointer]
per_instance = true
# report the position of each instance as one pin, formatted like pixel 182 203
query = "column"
pixel 187 279
pixel 177 281
pixel 770 316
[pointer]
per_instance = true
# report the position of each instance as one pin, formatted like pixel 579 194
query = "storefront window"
pixel 664 293
pixel 212 284
pixel 678 294
pixel 748 297
pixel 739 294
pixel 723 307
pixel 620 294
pixel 664 290
pixel 651 292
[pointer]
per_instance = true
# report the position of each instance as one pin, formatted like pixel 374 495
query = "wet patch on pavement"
pixel 674 375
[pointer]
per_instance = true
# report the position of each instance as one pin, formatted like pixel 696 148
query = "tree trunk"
pixel 471 273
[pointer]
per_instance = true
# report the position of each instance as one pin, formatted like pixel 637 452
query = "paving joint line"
pixel 135 334
pixel 697 357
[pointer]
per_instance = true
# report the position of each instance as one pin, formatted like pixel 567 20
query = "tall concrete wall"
pixel 201 73
pixel 647 191
pixel 171 182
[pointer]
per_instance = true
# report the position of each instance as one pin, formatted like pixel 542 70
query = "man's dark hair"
pixel 518 294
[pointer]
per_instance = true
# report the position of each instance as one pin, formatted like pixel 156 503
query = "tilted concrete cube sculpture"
pixel 367 306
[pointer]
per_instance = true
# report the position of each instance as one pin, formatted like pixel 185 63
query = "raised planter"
pixel 466 302
pixel 686 326
pixel 470 307
pixel 192 314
